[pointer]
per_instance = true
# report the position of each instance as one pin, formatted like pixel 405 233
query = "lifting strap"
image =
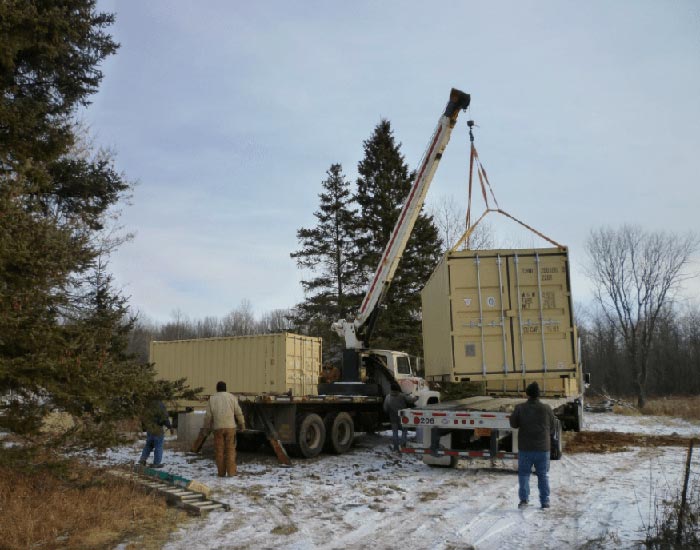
pixel 484 182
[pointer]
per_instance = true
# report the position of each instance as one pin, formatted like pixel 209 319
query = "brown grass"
pixel 681 407
pixel 687 408
pixel 78 507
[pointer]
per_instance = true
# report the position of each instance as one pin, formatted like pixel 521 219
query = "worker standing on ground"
pixel 536 425
pixel 155 418
pixel 224 416
pixel 393 403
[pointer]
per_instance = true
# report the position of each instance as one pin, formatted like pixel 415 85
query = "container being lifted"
pixel 497 320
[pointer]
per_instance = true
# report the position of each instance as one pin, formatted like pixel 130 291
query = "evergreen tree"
pixel 328 250
pixel 63 329
pixel 382 187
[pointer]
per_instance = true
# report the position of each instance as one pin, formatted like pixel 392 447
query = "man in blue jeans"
pixel 393 403
pixel 154 420
pixel 536 424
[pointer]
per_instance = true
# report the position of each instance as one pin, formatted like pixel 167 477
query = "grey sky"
pixel 228 115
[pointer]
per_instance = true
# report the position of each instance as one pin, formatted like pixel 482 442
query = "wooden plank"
pixel 274 438
pixel 201 438
pixel 170 488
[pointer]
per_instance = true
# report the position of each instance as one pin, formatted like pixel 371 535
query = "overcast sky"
pixel 227 115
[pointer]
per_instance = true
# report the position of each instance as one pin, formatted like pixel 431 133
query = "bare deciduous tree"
pixel 636 274
pixel 451 222
pixel 277 320
pixel 240 321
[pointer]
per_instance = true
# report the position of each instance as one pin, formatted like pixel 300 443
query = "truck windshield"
pixel 403 365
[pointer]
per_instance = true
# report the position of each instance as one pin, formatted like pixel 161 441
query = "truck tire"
pixel 311 435
pixel 556 448
pixel 340 432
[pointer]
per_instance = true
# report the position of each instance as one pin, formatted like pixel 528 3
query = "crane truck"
pixel 367 375
pixel 357 332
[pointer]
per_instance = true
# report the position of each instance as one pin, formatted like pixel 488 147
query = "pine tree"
pixel 382 187
pixel 328 250
pixel 63 329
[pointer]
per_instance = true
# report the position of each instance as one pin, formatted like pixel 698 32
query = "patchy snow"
pixel 609 422
pixel 372 497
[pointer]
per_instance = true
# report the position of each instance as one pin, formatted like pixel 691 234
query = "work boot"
pixel 523 504
pixel 157 465
pixel 545 505
pixel 142 462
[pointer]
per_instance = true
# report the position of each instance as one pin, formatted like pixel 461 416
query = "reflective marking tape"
pixel 460 454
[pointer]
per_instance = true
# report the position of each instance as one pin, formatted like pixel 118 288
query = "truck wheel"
pixel 340 433
pixel 556 449
pixel 311 435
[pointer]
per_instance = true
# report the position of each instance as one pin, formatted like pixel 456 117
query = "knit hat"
pixel 533 390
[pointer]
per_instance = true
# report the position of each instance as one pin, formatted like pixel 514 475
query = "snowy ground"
pixel 372 497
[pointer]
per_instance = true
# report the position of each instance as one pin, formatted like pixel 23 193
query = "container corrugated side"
pixel 509 318
pixel 270 363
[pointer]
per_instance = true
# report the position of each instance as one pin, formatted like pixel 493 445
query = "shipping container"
pixel 503 318
pixel 261 364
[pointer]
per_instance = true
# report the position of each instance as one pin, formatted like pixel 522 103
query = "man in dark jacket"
pixel 536 425
pixel 154 420
pixel 393 403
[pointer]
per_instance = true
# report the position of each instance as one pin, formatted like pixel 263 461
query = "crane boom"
pixel 357 331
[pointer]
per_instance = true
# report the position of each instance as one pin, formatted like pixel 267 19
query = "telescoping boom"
pixel 357 332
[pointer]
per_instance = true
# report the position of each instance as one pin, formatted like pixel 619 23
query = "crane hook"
pixel 471 125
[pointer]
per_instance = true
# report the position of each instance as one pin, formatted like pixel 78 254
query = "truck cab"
pixel 399 364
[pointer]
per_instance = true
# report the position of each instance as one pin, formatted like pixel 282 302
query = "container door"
pixel 482 343
pixel 542 327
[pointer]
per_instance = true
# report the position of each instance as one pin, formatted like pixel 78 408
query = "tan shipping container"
pixel 503 317
pixel 270 363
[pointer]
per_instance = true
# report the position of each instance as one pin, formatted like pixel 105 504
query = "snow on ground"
pixel 373 497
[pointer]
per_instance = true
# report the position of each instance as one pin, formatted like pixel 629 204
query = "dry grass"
pixel 626 410
pixel 78 507
pixel 681 407
pixel 676 406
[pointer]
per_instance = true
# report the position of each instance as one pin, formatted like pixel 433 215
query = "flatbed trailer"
pixel 479 427
pixel 308 425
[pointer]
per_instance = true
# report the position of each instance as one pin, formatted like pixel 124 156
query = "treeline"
pixel 674 356
pixel 241 321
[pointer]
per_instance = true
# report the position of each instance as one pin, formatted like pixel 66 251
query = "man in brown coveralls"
pixel 224 416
